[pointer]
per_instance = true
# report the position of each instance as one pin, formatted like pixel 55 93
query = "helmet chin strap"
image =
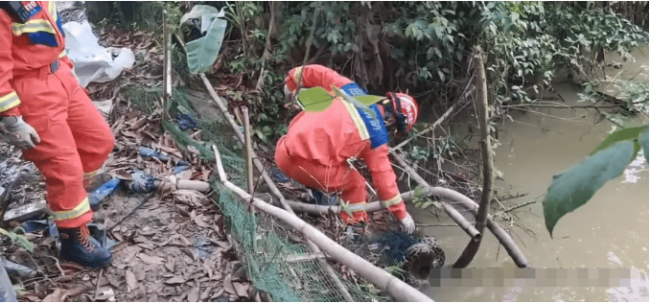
pixel 395 108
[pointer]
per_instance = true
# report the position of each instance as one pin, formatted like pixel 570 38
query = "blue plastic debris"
pixel 186 122
pixel 7 293
pixel 142 182
pixel 148 152
pixel 100 234
pixel 180 167
pixel 99 194
pixel 17 270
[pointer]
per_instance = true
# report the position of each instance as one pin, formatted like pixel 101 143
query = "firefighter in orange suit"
pixel 45 112
pixel 318 145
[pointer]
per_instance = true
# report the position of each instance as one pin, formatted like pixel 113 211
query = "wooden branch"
pixel 481 103
pixel 249 151
pixel 435 124
pixel 450 210
pixel 428 129
pixel 505 211
pixel 385 281
pixel 450 195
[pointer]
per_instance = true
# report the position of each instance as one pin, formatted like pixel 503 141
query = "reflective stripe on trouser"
pixel 333 178
pixel 74 139
pixel 81 209
pixel 9 101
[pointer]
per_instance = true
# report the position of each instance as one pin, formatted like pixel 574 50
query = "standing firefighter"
pixel 318 145
pixel 49 116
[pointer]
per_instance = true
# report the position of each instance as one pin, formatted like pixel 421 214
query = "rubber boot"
pixel 78 246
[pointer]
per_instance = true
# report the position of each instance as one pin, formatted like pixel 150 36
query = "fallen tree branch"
pixel 387 282
pixel 481 103
pixel 435 124
pixel 505 211
pixel 450 196
pixel 450 210
pixel 428 129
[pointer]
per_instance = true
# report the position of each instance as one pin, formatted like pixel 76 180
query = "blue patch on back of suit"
pixel 376 127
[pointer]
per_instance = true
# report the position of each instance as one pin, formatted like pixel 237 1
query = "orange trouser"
pixel 334 178
pixel 75 139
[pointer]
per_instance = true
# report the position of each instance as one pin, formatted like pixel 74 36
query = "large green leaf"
pixel 621 135
pixel 318 99
pixel 315 99
pixel 576 186
pixel 340 93
pixel 202 52
pixel 643 139
pixel 369 99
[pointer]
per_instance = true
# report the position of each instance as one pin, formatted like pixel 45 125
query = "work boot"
pixel 78 246
pixel 92 182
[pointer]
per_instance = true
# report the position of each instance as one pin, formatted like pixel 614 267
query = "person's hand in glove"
pixel 408 224
pixel 20 133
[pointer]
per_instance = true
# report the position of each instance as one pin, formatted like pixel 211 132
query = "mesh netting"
pixel 276 261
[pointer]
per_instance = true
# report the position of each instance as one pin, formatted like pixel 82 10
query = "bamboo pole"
pixel 167 65
pixel 481 103
pixel 274 189
pixel 385 281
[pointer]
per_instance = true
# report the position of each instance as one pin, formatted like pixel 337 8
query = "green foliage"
pixel 18 239
pixel 203 52
pixel 622 135
pixel 575 187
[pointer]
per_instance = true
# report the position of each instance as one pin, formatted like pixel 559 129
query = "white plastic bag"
pixel 92 62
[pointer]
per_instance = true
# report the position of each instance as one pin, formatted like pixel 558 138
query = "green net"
pixel 277 261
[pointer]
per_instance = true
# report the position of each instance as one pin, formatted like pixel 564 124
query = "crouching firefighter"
pixel 316 149
pixel 45 112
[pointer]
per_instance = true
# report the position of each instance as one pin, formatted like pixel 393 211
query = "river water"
pixel 609 232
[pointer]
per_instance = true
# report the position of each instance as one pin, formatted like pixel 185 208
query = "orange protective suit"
pixel 318 144
pixel 37 82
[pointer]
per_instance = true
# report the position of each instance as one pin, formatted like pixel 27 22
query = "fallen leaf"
pixel 169 264
pixel 200 221
pixel 57 296
pixel 176 280
pixel 241 289
pixel 206 294
pixel 193 295
pixel 131 282
pixel 150 259
pixel 228 286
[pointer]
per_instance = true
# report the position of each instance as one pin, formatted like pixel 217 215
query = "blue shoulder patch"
pixel 376 127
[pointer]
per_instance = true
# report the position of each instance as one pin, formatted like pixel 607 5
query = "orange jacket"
pixel 27 46
pixel 338 133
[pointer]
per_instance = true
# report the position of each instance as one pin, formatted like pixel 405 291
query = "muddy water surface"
pixel 610 231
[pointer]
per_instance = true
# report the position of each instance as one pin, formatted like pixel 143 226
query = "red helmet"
pixel 405 109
